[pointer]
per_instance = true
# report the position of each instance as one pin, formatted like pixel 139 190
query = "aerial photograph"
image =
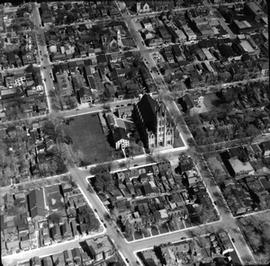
pixel 134 133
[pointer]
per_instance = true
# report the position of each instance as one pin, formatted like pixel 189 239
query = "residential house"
pixel 164 34
pixel 58 259
pixel 117 131
pixel 191 36
pixel 56 233
pixel 99 248
pixel 68 257
pixel 265 147
pixel 76 254
pixel 35 261
pixel 47 261
pixel 86 260
pixel 120 138
pixel 254 10
pixel 66 231
pixel 124 111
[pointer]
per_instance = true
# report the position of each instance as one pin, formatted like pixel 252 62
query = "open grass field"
pixel 88 138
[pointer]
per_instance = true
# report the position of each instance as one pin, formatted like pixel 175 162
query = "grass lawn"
pixel 88 138
pixel 178 142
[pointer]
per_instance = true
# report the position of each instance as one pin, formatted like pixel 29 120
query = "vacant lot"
pixel 89 140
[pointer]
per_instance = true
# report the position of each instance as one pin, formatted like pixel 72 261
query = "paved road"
pixel 31 181
pixel 12 260
pixel 128 249
pixel 226 219
pixel 45 67
pixel 80 179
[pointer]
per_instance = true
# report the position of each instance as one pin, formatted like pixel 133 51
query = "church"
pixel 153 123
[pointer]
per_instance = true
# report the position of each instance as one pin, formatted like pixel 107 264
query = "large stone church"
pixel 153 123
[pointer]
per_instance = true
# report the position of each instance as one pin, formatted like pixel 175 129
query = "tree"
pixel 103 181
pixel 54 218
pixel 109 91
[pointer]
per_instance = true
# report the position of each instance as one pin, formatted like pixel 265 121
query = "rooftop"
pixel 239 166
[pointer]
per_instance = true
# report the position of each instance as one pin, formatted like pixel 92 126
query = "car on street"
pixel 127 260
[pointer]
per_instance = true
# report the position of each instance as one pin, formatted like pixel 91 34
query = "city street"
pixel 80 179
pixel 227 221
pixel 12 260
pixel 80 174
pixel 45 67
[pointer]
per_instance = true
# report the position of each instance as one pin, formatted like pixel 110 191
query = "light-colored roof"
pixel 242 24
pixel 163 213
pixel 239 166
pixel 246 46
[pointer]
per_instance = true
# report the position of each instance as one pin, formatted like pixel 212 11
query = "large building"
pixel 153 123
pixel 36 204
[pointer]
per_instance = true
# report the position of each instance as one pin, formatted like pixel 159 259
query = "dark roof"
pixel 21 222
pixel 266 183
pixel 36 203
pixel 101 58
pixel 148 109
pixel 76 253
pixel 265 146
pixel 147 189
pixel 119 133
pixel 29 69
pixel 47 261
pixel 176 50
pixel 35 261
pixel 88 62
